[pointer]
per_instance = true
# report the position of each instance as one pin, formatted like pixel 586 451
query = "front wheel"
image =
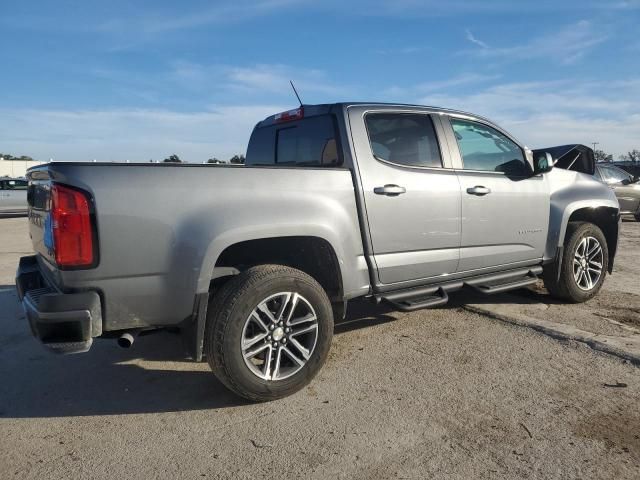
pixel 583 267
pixel 269 330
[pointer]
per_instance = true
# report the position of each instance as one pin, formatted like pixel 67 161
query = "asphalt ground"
pixel 441 393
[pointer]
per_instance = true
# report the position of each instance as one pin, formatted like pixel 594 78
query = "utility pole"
pixel 594 145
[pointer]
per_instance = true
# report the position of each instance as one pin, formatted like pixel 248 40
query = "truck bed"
pixel 161 227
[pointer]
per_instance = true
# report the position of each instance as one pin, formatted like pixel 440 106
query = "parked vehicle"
pixel 13 195
pixel 625 186
pixel 401 204
pixel 630 167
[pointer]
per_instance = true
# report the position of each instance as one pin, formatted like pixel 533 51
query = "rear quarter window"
pixel 311 142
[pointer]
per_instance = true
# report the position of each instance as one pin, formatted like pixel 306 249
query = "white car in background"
pixel 13 195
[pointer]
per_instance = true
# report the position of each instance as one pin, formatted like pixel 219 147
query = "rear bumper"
pixel 63 322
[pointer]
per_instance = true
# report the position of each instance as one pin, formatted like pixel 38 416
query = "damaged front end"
pixel 576 157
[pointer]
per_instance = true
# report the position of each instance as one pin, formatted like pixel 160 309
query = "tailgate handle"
pixel 478 190
pixel 389 190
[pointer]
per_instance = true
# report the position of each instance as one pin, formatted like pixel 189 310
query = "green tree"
pixel 22 158
pixel 173 159
pixel 237 159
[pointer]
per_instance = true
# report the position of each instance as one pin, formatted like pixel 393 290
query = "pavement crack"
pixel 526 429
pixel 259 445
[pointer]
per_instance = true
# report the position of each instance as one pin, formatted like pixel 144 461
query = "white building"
pixel 16 168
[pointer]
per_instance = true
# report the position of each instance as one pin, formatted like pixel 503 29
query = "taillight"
pixel 290 115
pixel 71 227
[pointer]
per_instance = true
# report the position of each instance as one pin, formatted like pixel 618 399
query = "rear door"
pixel 411 193
pixel 505 210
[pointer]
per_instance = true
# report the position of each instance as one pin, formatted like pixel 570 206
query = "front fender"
pixel 572 192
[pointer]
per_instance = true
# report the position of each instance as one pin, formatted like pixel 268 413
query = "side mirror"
pixel 626 181
pixel 542 163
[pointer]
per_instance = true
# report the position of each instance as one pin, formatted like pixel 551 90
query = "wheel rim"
pixel 279 336
pixel 587 263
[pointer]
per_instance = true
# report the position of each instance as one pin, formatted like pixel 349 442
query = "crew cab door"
pixel 411 193
pixel 505 209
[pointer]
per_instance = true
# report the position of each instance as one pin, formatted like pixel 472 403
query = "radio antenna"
pixel 295 91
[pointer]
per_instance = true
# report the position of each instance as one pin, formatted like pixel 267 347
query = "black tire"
pixel 563 285
pixel 229 310
pixel 637 216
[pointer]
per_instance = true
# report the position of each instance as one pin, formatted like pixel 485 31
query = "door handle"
pixel 389 190
pixel 478 190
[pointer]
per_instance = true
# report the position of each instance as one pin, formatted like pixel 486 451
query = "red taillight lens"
pixel 71 222
pixel 290 116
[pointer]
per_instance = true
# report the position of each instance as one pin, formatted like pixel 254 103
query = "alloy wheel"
pixel 587 263
pixel 279 336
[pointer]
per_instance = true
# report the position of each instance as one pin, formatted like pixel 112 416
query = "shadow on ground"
pixel 153 376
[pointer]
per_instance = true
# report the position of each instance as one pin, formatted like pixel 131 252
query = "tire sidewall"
pixel 240 311
pixel 574 291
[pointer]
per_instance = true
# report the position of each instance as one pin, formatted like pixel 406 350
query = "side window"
pixel 16 185
pixel 404 138
pixel 1 184
pixel 484 148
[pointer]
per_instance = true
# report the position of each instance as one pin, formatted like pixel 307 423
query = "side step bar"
pixel 411 304
pixel 434 295
pixel 492 289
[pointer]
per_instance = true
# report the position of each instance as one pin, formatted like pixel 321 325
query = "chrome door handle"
pixel 478 190
pixel 389 190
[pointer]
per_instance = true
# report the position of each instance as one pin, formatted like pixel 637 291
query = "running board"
pixel 427 296
pixel 418 303
pixel 503 287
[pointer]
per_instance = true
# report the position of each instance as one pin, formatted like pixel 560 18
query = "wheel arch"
pixel 313 255
pixel 606 217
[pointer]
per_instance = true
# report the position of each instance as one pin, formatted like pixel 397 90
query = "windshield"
pixel 611 174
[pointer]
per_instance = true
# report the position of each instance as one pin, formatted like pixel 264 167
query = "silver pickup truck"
pixel 252 263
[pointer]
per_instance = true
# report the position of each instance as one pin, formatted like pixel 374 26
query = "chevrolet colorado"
pixel 252 263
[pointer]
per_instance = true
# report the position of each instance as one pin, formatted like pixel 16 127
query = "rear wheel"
pixel 269 330
pixel 637 215
pixel 584 264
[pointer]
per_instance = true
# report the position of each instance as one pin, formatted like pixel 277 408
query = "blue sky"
pixel 144 79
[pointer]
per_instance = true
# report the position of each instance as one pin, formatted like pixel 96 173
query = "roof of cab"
pixel 325 108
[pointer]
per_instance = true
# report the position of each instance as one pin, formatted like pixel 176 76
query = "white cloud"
pixel 128 134
pixel 218 13
pixel 257 79
pixel 552 113
pixel 395 92
pixel 567 45
pixel 474 40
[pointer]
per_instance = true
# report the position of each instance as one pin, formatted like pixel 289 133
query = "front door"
pixel 505 209
pixel 411 194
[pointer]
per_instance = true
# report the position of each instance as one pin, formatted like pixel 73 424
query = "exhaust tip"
pixel 125 340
